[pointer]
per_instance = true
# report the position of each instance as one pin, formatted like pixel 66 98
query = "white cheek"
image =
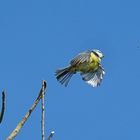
pixel 101 55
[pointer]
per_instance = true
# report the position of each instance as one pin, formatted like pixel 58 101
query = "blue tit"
pixel 88 64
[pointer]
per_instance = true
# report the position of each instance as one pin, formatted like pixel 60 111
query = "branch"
pixel 3 106
pixel 51 135
pixel 43 112
pixel 21 123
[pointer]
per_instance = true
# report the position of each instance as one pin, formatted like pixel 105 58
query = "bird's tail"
pixel 64 75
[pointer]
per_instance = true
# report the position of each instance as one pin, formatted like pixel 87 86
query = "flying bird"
pixel 88 64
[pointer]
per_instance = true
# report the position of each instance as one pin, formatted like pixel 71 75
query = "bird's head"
pixel 98 53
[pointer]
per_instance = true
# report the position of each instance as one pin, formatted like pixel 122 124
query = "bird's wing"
pixel 82 57
pixel 94 78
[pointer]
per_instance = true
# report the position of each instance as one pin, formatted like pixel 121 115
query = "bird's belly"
pixel 85 67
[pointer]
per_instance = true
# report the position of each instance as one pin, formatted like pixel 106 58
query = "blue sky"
pixel 38 37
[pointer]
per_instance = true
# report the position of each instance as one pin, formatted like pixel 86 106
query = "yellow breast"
pixel 92 64
pixel 94 61
pixel 94 58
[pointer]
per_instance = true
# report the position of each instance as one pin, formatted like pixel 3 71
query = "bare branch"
pixel 21 123
pixel 51 135
pixel 3 106
pixel 43 111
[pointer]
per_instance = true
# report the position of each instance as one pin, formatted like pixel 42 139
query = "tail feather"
pixel 64 75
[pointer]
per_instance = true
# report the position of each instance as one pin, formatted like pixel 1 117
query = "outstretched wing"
pixel 82 57
pixel 94 78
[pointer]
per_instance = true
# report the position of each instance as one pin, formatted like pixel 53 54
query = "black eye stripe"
pixel 96 54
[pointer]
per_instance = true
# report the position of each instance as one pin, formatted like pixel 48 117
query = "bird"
pixel 88 64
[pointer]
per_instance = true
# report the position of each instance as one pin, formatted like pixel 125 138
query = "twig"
pixel 21 123
pixel 51 135
pixel 3 106
pixel 43 112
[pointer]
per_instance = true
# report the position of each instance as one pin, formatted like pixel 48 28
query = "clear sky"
pixel 38 37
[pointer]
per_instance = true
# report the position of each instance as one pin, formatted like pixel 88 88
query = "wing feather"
pixel 81 58
pixel 94 78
